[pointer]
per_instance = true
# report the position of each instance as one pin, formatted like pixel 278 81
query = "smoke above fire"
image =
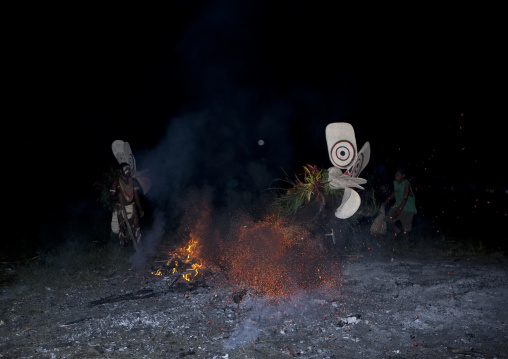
pixel 211 150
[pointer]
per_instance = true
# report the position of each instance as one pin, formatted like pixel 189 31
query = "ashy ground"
pixel 398 301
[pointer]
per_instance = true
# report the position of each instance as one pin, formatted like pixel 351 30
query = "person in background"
pixel 125 191
pixel 404 208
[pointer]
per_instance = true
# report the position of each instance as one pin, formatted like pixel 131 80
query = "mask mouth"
pixel 126 171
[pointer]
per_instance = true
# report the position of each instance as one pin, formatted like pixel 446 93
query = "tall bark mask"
pixel 348 163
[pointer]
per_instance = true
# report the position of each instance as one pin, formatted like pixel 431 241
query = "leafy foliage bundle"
pixel 104 185
pixel 300 192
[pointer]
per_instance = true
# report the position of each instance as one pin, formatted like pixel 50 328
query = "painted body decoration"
pixel 348 163
pixel 123 154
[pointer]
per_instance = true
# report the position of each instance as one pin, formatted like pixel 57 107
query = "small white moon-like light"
pixel 261 142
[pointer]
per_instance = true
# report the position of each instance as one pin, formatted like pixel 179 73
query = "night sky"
pixel 194 86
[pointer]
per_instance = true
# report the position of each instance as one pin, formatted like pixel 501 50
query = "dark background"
pixel 193 86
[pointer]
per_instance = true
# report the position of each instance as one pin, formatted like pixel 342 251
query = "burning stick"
pixel 187 274
pixel 184 255
pixel 177 278
pixel 173 282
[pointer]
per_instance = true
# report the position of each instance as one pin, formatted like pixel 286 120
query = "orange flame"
pixel 157 273
pixel 188 255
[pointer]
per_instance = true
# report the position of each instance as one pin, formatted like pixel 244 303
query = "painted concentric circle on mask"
pixel 357 167
pixel 343 154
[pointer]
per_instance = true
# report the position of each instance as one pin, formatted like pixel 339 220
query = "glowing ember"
pixel 277 259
